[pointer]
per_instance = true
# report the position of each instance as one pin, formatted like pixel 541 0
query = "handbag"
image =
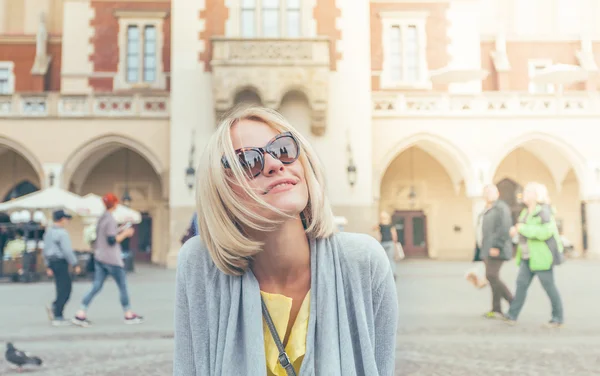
pixel 283 358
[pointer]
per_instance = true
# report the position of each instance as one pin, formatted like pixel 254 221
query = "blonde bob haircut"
pixel 223 216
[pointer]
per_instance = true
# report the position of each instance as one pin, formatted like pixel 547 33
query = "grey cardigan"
pixel 351 328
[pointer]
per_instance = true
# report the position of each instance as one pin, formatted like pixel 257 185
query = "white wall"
pixel 350 110
pixel 76 47
pixel 191 96
pixel 465 42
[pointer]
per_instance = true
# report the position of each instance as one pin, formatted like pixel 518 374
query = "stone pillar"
pixel 478 204
pixel 592 220
pixel 192 112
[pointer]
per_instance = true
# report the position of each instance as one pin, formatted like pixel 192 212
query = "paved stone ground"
pixel 440 333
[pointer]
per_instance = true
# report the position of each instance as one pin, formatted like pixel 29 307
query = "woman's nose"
pixel 272 165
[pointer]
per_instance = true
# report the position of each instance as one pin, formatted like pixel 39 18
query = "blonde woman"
pixel 539 250
pixel 270 255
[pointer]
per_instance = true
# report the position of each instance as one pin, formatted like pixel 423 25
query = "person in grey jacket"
pixel 269 249
pixel 58 255
pixel 495 246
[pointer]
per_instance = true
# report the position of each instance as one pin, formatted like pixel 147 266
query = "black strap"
pixel 283 358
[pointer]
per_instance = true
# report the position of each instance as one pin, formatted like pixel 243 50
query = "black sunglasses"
pixel 283 147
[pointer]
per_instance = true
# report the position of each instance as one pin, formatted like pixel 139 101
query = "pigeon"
pixel 20 358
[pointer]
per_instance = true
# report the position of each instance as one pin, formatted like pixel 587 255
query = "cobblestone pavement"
pixel 109 347
pixel 441 330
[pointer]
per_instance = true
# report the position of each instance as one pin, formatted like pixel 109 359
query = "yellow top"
pixel 279 307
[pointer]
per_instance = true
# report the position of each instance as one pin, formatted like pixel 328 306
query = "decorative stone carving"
pixel 42 59
pixel 272 68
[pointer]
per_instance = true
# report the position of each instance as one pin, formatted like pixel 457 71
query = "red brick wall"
pixel 326 14
pixel 436 28
pixel 215 14
pixel 105 40
pixel 22 55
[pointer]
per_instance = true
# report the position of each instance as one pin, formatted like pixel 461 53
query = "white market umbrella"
pixel 450 75
pixel 92 206
pixel 560 74
pixel 47 199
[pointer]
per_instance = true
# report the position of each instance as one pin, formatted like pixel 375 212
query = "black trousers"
pixel 62 280
pixel 499 289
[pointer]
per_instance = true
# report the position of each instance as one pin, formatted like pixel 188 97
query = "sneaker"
pixel 553 325
pixel 510 321
pixel 49 313
pixel 494 315
pixel 60 322
pixel 135 319
pixel 83 322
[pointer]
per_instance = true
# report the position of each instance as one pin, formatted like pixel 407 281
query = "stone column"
pixel 478 203
pixel 592 220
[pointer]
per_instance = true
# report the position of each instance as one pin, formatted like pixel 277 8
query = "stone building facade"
pixel 412 106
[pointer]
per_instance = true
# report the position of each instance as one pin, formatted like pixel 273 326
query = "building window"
pixel 7 78
pixel 293 18
pixel 140 48
pixel 412 54
pixel 149 54
pixel 248 18
pixel 133 54
pixel 534 67
pixel 137 45
pixel 275 18
pixel 404 53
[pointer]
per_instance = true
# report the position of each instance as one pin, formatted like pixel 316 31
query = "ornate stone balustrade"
pixel 486 104
pixel 271 68
pixel 87 106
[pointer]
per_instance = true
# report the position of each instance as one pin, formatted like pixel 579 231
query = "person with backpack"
pixel 538 251
pixel 108 261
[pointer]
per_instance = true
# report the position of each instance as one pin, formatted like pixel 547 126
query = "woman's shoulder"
pixel 361 250
pixel 194 256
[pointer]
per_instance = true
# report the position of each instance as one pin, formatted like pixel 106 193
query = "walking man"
pixel 495 246
pixel 58 254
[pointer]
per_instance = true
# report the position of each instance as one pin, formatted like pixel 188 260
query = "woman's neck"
pixel 285 258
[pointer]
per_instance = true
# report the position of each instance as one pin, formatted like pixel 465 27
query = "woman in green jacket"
pixel 538 251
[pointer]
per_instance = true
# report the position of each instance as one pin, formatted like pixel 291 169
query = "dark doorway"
pixel 511 192
pixel 411 227
pixel 21 189
pixel 141 241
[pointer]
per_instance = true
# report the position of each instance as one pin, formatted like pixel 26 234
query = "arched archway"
pixel 549 150
pixel 247 95
pixel 117 164
pixel 423 187
pixel 454 161
pixel 545 159
pixel 17 163
pixel 17 166
pixel 295 107
pixel 89 155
